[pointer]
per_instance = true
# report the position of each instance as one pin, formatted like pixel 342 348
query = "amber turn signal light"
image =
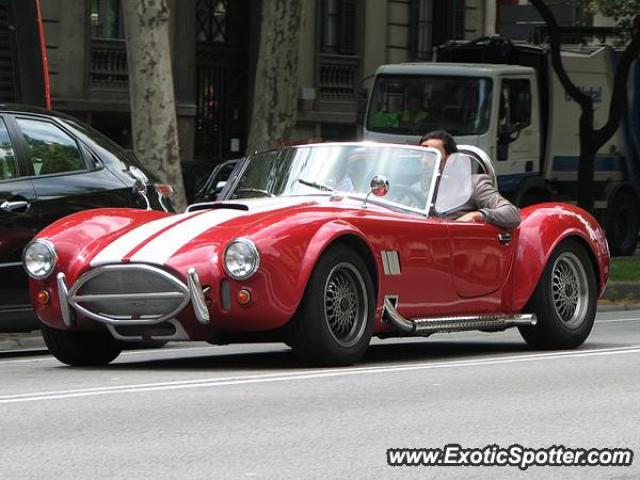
pixel 42 297
pixel 164 189
pixel 244 297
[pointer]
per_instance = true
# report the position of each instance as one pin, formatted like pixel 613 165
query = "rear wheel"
pixel 564 300
pixel 334 323
pixel 80 349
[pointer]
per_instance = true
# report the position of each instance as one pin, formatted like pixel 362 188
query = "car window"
pixel 51 149
pixel 8 168
pixel 224 172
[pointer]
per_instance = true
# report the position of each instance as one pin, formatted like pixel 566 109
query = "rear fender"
pixel 543 227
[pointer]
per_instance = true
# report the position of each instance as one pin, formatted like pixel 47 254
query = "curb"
pixel 625 292
pixel 21 341
pixel 618 307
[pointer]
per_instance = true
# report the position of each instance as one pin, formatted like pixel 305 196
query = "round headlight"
pixel 39 258
pixel 241 259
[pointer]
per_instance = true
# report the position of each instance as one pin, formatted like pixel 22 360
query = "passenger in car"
pixel 486 204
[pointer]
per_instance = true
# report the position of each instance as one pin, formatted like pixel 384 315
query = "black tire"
pixel 80 349
pixel 334 322
pixel 623 223
pixel 532 197
pixel 568 278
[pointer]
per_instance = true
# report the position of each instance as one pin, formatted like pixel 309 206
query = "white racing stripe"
pixel 116 250
pixel 160 249
pixel 306 375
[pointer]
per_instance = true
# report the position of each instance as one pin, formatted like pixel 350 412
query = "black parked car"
pixel 218 179
pixel 52 165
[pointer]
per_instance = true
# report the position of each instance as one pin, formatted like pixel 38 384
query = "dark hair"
pixel 447 140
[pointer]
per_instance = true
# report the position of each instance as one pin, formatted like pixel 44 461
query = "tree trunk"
pixel 586 165
pixel 274 99
pixel 591 140
pixel 153 107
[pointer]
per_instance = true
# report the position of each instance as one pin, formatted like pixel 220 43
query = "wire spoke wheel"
pixel 570 290
pixel 336 318
pixel 345 304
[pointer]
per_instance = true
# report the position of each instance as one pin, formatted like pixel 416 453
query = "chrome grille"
pixel 130 294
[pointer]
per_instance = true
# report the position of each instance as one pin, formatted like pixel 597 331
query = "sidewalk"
pixel 22 341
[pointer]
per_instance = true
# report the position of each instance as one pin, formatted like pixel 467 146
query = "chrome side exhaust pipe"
pixel 427 326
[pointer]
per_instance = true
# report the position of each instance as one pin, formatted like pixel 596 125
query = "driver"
pixel 486 204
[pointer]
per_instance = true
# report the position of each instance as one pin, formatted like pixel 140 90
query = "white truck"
pixel 506 99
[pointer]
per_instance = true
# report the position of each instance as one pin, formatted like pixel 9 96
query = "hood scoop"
pixel 217 206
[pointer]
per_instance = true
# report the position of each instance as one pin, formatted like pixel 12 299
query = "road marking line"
pixel 305 375
pixel 618 320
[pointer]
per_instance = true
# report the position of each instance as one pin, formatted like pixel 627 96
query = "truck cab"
pixel 494 107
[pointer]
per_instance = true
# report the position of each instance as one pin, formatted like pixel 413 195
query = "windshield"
pixel 416 104
pixel 346 168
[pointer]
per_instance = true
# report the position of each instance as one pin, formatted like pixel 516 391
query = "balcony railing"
pixel 108 64
pixel 338 77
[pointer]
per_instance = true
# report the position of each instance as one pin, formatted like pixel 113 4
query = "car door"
pixel 481 258
pixel 18 224
pixel 481 254
pixel 66 177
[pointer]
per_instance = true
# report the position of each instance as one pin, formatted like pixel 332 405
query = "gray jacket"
pixel 486 199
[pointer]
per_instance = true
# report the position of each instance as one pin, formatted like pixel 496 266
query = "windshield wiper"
pixel 319 186
pixel 254 190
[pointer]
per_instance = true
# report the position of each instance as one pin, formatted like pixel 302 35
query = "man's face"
pixel 437 144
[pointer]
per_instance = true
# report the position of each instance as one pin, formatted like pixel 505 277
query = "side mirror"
pixel 220 185
pixel 379 186
pixel 509 133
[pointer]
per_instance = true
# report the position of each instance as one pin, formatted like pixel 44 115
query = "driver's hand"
pixel 471 217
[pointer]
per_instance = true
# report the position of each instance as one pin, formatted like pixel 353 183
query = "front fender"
pixel 543 227
pixel 323 238
pixel 76 239
pixel 288 254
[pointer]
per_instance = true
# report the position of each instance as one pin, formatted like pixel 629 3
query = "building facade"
pixel 214 52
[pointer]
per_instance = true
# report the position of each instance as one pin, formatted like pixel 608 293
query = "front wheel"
pixel 564 300
pixel 334 323
pixel 80 349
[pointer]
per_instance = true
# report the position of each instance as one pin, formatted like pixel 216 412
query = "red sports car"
pixel 322 247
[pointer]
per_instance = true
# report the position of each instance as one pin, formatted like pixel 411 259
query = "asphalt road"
pixel 202 412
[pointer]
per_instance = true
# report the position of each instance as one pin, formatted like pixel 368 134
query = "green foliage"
pixel 625 269
pixel 621 11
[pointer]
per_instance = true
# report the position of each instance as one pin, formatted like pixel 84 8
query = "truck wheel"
pixel 334 323
pixel 80 349
pixel 532 197
pixel 564 300
pixel 623 222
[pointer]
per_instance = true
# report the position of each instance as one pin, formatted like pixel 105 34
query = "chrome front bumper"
pixel 180 295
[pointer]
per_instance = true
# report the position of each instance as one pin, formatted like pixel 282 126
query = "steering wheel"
pixel 407 196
